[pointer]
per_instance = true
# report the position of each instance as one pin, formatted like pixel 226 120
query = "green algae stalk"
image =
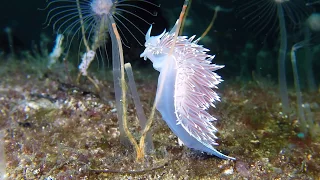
pixel 137 103
pixel 3 174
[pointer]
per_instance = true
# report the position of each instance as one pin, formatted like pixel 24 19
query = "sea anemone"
pixel 263 15
pixel 94 20
pixel 70 17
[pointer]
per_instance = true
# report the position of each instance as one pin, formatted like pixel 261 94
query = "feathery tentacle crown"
pixel 64 16
pixel 194 82
pixel 101 7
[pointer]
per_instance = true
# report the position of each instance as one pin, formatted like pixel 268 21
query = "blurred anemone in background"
pixel 261 16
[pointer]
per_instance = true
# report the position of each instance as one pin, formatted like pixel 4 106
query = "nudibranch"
pixel 185 88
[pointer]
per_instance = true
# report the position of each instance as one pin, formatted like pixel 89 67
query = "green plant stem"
pixel 82 27
pixel 282 61
pixel 140 112
pixel 119 83
pixel 301 116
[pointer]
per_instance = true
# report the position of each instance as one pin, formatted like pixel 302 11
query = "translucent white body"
pixel 184 90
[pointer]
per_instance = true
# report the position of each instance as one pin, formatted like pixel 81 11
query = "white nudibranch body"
pixel 185 88
pixel 56 51
pixel 87 58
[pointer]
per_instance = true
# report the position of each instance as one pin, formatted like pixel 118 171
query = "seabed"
pixel 54 129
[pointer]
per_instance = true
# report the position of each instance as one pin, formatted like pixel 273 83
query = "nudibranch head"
pixel 154 50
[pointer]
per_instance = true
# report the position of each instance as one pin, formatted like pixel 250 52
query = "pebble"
pixel 228 171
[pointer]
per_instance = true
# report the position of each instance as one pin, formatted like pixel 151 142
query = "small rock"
pixel 41 103
pixel 228 171
pixel 277 170
pixel 243 168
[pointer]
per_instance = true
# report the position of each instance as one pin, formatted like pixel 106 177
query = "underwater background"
pixel 55 124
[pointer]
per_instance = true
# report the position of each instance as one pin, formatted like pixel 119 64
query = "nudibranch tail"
pixel 188 79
